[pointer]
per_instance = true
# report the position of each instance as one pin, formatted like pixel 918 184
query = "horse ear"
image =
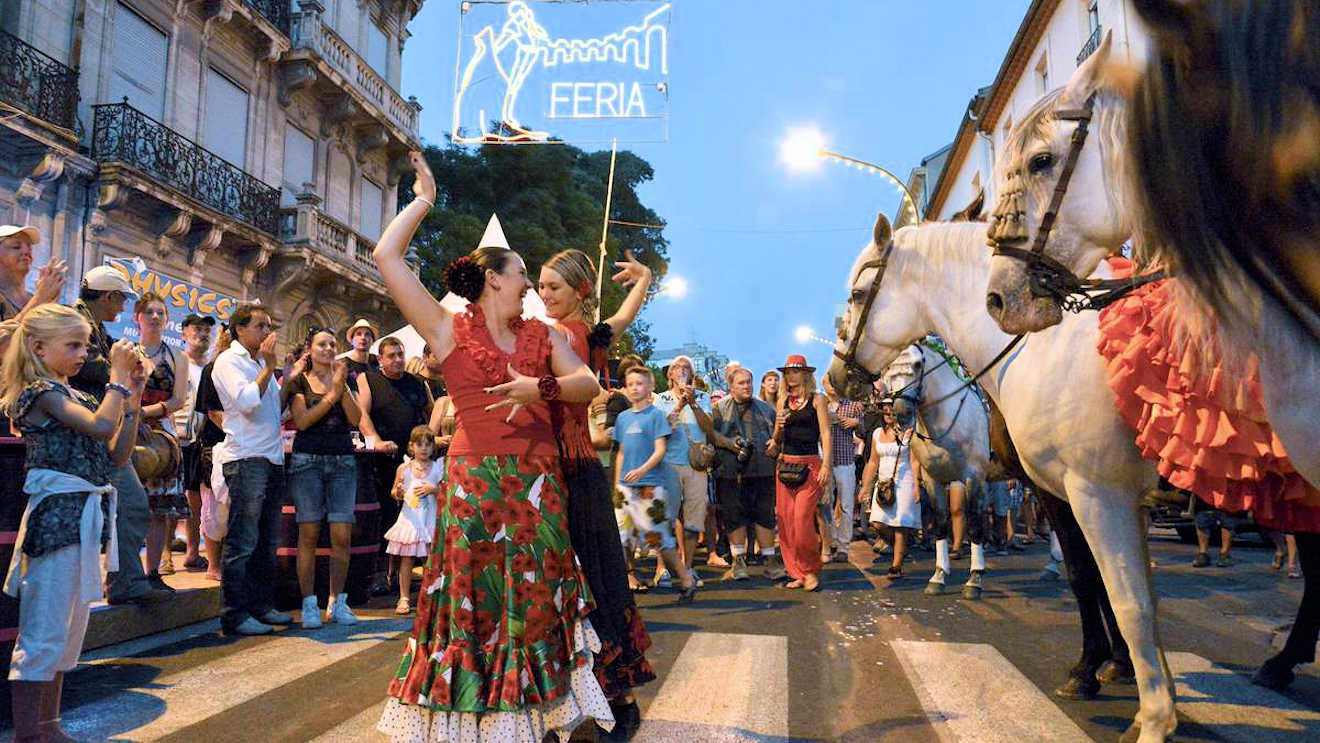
pixel 881 233
pixel 1091 75
pixel 971 212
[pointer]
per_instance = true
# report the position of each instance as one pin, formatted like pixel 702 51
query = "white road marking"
pixel 1235 709
pixel 972 692
pixel 725 681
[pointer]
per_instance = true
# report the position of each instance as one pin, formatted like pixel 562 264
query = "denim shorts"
pixel 323 487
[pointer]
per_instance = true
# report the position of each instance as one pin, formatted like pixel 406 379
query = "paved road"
pixel 862 660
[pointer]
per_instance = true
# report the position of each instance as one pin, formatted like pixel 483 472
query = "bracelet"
pixel 130 415
pixel 429 204
pixel 548 386
pixel 117 387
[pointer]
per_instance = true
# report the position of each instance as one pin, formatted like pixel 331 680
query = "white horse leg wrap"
pixel 1056 551
pixel 942 556
pixel 978 557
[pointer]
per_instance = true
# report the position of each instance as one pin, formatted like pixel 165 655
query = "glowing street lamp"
pixel 804 333
pixel 805 148
pixel 675 287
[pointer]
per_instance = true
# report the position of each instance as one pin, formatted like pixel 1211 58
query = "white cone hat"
pixel 494 235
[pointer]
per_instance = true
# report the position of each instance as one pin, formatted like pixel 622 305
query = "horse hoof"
pixel 1077 689
pixel 1271 675
pixel 1133 734
pixel 971 592
pixel 934 589
pixel 1114 672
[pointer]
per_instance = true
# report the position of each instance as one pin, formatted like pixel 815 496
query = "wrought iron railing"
pixel 124 134
pixel 275 11
pixel 1090 46
pixel 36 83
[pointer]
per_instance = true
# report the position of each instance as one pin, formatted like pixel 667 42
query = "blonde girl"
pixel 72 445
pixel 415 484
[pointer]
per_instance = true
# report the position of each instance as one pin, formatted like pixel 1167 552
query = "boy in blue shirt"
pixel 646 507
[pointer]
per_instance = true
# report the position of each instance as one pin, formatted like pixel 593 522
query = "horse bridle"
pixel 1046 276
pixel 855 369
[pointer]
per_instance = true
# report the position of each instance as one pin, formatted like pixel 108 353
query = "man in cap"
pixel 100 300
pixel 688 411
pixel 360 359
pixel 16 245
pixel 197 331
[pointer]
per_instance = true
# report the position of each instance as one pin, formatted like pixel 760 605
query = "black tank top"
pixel 802 431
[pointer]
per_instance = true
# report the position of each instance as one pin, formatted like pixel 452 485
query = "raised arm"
pixel 432 321
pixel 638 274
pixel 105 421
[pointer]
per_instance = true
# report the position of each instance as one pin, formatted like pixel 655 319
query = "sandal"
pixel 1278 561
pixel 1294 572
pixel 791 584
pixel 639 587
pixel 196 564
pixel 894 573
pixel 402 608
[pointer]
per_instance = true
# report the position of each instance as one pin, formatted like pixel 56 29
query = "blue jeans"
pixel 256 494
pixel 324 487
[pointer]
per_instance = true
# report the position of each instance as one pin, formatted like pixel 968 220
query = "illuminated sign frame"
pixel 636 56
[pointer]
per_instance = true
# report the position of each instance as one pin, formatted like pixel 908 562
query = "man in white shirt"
pixel 252 460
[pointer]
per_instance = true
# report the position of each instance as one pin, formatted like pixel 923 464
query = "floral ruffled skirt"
pixel 1206 430
pixel 501 648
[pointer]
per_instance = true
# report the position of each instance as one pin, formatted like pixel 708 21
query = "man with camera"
pixel 745 475
pixel 688 412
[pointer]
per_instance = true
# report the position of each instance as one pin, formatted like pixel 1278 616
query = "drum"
pixel 361 553
pixel 13 470
pixel 156 454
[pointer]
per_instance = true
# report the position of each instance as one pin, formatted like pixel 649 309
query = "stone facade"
pixel 252 147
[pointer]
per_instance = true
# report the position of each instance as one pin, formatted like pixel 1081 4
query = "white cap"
pixel 108 279
pixel 32 233
pixel 494 235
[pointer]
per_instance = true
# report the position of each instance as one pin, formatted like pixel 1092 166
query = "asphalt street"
pixel 863 659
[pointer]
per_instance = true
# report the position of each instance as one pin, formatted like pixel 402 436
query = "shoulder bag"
pixel 884 491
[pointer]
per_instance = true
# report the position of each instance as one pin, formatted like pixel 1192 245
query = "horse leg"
pixel 1277 673
pixel 940 530
pixel 974 504
pixel 1114 527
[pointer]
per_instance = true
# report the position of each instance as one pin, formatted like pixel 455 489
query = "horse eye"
pixel 1041 163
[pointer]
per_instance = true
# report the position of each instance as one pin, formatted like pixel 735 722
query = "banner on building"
pixel 181 299
pixel 530 71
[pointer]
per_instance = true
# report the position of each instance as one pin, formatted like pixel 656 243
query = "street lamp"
pixel 804 333
pixel 675 287
pixel 804 148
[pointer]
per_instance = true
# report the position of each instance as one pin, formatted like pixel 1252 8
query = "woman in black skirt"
pixel 567 286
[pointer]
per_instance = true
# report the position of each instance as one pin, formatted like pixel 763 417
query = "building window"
pixel 226 119
pixel 377 54
pixel 1043 75
pixel 299 157
pixel 373 203
pixel 139 63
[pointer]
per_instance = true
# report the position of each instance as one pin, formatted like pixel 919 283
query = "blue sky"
pixel 763 249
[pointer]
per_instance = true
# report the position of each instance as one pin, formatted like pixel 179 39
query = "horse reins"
pixel 1046 276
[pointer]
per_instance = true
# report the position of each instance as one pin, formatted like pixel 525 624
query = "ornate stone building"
pixel 250 148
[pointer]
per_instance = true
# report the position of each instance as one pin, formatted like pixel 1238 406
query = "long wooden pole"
pixel 605 226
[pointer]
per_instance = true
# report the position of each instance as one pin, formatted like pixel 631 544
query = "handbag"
pixel 700 455
pixel 884 491
pixel 793 474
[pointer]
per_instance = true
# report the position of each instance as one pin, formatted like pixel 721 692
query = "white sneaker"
pixel 696 579
pixel 339 612
pixel 275 617
pixel 311 613
pixel 251 626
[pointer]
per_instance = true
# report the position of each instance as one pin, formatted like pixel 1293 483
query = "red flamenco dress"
pixel 621 663
pixel 501 649
pixel 1205 428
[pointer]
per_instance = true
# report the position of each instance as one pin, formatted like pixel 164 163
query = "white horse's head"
pixel 903 379
pixel 1091 222
pixel 893 320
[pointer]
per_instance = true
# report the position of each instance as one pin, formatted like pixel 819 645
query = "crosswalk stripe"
pixel 725 681
pixel 177 700
pixel 360 727
pixel 1234 708
pixel 972 692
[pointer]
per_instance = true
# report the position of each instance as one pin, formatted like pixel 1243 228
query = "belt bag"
pixel 793 474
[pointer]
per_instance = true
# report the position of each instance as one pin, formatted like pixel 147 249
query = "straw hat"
pixel 362 323
pixel 31 233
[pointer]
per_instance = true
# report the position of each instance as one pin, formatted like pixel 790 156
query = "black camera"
pixel 744 453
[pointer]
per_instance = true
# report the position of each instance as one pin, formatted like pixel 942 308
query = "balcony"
pixel 275 11
pixel 348 251
pixel 1091 45
pixel 122 134
pixel 320 57
pixel 37 84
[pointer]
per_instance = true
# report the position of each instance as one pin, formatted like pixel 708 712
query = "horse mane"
pixel 1216 113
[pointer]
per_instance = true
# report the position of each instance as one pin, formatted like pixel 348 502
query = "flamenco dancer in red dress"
pixel 501 648
pixel 567 289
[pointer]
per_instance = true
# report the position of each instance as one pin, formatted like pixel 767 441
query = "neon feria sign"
pixel 522 79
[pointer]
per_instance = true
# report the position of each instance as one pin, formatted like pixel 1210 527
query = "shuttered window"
pixel 139 63
pixel 299 154
pixel 372 204
pixel 226 119
pixel 376 53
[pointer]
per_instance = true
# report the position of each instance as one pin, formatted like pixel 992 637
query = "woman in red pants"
pixel 802 432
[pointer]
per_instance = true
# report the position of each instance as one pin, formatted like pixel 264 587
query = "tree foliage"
pixel 549 198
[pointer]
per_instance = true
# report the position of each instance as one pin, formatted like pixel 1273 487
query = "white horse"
pixel 1053 395
pixel 1097 214
pixel 952 444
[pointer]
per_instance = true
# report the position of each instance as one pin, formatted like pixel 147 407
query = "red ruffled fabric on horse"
pixel 1207 430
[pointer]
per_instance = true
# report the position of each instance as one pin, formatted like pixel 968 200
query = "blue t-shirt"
pixel 637 432
pixel 687 429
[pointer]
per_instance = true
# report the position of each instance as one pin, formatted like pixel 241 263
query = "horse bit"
pixel 1046 276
